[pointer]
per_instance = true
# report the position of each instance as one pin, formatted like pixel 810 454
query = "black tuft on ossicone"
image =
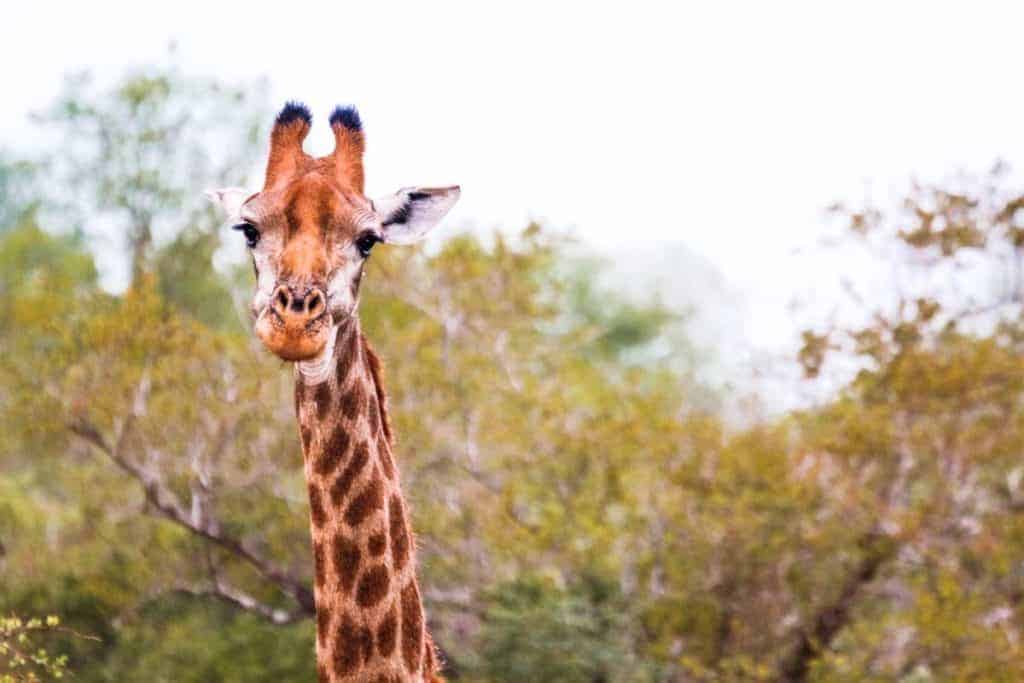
pixel 293 111
pixel 347 116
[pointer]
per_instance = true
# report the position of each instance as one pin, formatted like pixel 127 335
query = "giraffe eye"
pixel 365 243
pixel 252 235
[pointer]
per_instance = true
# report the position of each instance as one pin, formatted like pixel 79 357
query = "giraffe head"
pixel 310 230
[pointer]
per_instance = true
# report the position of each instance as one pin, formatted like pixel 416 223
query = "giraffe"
pixel 310 231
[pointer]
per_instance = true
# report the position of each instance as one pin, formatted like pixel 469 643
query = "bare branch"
pixel 244 601
pixel 170 507
pixel 221 589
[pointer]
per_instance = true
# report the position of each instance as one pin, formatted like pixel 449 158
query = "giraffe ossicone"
pixel 310 231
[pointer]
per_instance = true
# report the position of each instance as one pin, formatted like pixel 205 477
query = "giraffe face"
pixel 309 241
pixel 311 230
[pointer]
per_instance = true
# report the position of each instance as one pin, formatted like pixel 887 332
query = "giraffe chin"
pixel 293 342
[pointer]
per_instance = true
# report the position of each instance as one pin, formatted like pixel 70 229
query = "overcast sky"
pixel 728 128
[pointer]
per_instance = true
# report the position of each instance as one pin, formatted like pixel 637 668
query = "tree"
pixel 130 157
pixel 930 430
pixel 582 511
pixel 202 499
pixel 18 189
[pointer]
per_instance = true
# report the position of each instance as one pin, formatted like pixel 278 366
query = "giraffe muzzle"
pixel 295 324
pixel 298 306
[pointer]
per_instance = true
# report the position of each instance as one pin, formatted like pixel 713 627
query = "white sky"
pixel 727 126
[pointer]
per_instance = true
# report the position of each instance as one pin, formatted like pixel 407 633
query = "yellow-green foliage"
pixel 23 658
pixel 582 512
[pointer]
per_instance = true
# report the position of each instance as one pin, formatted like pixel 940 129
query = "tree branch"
pixel 834 616
pixel 237 598
pixel 168 506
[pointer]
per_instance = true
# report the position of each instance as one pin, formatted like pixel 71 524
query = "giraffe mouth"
pixel 293 340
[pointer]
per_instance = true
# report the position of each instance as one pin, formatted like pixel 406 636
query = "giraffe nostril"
pixel 282 299
pixel 314 303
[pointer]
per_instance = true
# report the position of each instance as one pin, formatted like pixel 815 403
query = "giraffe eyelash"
pixel 252 234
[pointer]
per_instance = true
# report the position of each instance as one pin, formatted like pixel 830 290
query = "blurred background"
pixel 714 374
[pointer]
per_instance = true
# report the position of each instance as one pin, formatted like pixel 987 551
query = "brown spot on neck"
pixel 369 500
pixel 399 534
pixel 377 544
pixel 373 587
pixel 346 561
pixel 347 351
pixel 333 452
pixel 412 627
pixel 323 625
pixel 387 632
pixel 319 564
pixel 348 652
pixel 353 401
pixel 377 375
pixel 322 400
pixel 342 485
pixel 316 506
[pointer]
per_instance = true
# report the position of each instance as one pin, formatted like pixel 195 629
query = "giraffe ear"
pixel 229 199
pixel 409 214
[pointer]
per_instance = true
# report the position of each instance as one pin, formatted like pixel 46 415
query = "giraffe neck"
pixel 370 624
